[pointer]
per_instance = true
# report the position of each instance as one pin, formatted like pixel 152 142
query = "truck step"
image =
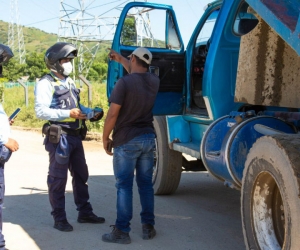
pixel 190 148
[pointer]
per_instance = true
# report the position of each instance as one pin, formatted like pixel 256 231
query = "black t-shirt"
pixel 136 94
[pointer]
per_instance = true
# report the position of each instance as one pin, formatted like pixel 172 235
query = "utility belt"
pixel 55 131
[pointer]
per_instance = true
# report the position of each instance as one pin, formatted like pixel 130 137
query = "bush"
pixel 15 97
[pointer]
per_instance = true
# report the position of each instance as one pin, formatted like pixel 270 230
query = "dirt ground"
pixel 202 214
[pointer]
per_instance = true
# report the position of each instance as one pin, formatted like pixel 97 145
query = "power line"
pixel 42 21
pixel 42 7
pixel 191 8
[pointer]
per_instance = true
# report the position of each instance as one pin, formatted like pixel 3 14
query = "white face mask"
pixel 67 68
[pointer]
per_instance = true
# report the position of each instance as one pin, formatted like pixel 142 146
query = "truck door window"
pixel 245 20
pixel 147 27
pixel 199 57
pixel 173 40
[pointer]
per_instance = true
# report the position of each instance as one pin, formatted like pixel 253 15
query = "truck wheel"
pixel 270 203
pixel 168 163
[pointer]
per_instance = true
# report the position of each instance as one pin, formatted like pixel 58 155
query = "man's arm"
pixel 113 55
pixel 5 132
pixel 109 124
pixel 43 96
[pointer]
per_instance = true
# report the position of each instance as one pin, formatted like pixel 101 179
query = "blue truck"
pixel 228 104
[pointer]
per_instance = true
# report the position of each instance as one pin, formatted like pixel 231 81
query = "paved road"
pixel 202 214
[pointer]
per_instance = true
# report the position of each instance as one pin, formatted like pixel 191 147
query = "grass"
pixel 15 97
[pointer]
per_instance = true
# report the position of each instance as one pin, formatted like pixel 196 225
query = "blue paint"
pixel 225 139
pixel 227 142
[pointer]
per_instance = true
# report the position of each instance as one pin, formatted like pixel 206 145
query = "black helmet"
pixel 5 53
pixel 57 52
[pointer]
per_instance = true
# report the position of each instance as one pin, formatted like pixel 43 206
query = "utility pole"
pixel 80 25
pixel 86 24
pixel 15 33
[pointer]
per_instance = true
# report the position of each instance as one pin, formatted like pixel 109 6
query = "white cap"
pixel 144 54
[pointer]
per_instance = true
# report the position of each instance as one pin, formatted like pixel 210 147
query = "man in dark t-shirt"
pixel 130 117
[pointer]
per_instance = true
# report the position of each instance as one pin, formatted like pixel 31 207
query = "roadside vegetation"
pixel 15 97
pixel 36 44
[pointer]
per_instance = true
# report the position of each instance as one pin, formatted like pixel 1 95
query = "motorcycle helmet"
pixel 57 52
pixel 5 53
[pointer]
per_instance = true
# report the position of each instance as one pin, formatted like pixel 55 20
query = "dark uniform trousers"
pixel 57 179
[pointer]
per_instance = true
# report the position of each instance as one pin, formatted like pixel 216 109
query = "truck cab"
pixel 221 102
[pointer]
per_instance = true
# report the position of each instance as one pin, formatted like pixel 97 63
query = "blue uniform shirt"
pixel 4 126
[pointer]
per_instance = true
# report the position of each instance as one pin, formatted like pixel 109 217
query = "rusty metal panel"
pixel 268 70
pixel 283 17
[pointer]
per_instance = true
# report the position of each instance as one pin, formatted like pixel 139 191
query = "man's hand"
pixel 12 145
pixel 11 122
pixel 106 143
pixel 77 114
pixel 113 55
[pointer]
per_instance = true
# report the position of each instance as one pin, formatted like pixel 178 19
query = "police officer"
pixel 7 144
pixel 57 101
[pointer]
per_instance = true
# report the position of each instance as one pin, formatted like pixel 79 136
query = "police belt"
pixel 63 130
pixel 70 131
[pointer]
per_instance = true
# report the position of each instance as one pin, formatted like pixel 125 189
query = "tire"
pixel 168 163
pixel 270 202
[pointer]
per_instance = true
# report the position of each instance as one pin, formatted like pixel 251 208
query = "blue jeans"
pixel 135 155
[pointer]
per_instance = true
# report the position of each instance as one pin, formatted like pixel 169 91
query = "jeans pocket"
pixel 131 151
pixel 127 151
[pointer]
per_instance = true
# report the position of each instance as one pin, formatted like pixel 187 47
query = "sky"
pixel 44 14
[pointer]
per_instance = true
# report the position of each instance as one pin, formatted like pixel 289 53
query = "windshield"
pixel 207 28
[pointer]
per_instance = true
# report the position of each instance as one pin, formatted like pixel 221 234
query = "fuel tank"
pixel 227 141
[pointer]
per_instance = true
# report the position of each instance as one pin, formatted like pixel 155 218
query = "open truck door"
pixel 153 26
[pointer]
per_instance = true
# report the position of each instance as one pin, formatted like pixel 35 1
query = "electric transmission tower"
pixel 15 33
pixel 142 26
pixel 81 24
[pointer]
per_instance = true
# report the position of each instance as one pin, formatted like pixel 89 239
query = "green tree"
pixel 92 75
pixel 13 70
pixel 129 33
pixel 35 66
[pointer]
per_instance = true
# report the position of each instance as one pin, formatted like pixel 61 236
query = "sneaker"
pixel 92 218
pixel 148 232
pixel 116 236
pixel 63 225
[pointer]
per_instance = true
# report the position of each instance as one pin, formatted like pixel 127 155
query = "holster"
pixel 83 130
pixel 53 131
pixel 45 129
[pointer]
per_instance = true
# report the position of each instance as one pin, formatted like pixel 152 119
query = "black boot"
pixel 148 232
pixel 63 225
pixel 116 236
pixel 91 218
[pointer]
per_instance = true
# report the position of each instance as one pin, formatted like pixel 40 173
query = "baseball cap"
pixel 62 152
pixel 143 53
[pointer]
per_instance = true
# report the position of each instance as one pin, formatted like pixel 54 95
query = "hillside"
pixel 34 39
pixel 37 40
